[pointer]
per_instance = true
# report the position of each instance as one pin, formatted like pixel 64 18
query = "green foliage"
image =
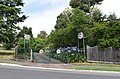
pixel 10 15
pixel 97 15
pixel 67 35
pixel 63 19
pixel 68 57
pixel 71 57
pixel 23 49
pixel 25 30
pixel 84 5
pixel 39 44
pixel 105 34
pixel 42 35
pixel 99 30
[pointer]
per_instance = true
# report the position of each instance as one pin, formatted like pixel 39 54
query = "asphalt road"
pixel 9 72
pixel 40 58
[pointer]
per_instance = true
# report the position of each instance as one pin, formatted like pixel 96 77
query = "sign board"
pixel 1 45
pixel 58 51
pixel 41 51
pixel 26 36
pixel 80 35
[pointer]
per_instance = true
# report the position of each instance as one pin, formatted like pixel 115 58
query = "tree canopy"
pixel 103 33
pixel 42 34
pixel 84 5
pixel 10 15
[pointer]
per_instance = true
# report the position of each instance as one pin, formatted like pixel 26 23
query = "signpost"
pixel 81 36
pixel 27 37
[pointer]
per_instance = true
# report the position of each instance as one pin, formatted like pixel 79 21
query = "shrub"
pixel 23 49
pixel 68 57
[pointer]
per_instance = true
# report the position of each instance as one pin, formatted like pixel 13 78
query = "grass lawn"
pixel 6 51
pixel 97 66
pixel 100 69
pixel 6 54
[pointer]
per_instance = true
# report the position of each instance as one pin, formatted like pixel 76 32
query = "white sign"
pixel 27 37
pixel 1 45
pixel 58 51
pixel 41 51
pixel 80 35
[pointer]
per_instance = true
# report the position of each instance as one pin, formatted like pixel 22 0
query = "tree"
pixel 42 35
pixel 97 15
pixel 111 19
pixel 25 30
pixel 63 19
pixel 84 5
pixel 10 15
pixel 39 44
pixel 67 36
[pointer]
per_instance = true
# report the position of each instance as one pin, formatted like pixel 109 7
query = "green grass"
pixel 6 54
pixel 96 64
pixel 7 51
pixel 100 69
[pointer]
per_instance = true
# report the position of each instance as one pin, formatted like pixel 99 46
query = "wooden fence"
pixel 103 55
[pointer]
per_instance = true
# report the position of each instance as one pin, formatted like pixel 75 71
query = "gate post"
pixel 32 56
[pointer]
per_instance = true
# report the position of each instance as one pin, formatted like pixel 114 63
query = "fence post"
pixel 32 56
pixel 88 53
pixel 111 50
pixel 97 53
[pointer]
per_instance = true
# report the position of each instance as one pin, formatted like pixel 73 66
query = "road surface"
pixel 9 72
pixel 40 58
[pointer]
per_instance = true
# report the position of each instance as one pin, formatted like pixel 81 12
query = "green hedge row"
pixel 67 57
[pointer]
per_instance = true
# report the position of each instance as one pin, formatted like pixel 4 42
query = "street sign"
pixel 41 51
pixel 27 37
pixel 58 51
pixel 80 35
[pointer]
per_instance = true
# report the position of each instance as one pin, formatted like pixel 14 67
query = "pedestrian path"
pixel 40 58
pixel 37 64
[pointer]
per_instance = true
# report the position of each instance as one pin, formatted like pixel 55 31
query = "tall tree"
pixel 63 19
pixel 111 19
pixel 10 15
pixel 97 15
pixel 84 5
pixel 42 34
pixel 25 30
pixel 67 35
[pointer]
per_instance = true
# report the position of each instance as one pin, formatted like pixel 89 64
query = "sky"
pixel 43 13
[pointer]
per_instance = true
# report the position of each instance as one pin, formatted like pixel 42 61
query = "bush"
pixel 23 51
pixel 68 57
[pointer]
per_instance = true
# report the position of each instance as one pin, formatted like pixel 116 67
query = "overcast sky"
pixel 42 13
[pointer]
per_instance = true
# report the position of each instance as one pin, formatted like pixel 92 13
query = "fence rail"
pixel 105 55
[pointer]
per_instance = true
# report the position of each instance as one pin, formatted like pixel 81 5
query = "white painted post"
pixel 31 56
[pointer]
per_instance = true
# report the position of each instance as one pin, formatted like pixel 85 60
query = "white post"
pixel 84 47
pixel 31 56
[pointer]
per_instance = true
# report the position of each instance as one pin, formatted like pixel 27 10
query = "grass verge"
pixel 97 66
pixel 100 69
pixel 7 51
pixel 6 54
